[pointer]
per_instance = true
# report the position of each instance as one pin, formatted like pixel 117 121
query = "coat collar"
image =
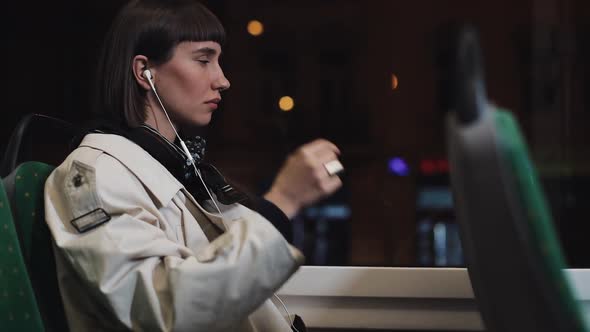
pixel 148 170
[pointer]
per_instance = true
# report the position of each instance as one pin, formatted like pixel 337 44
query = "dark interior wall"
pixel 49 54
pixel 31 63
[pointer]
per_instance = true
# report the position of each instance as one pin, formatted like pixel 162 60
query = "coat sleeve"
pixel 275 215
pixel 148 282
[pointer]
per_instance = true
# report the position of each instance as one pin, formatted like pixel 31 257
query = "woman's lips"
pixel 213 103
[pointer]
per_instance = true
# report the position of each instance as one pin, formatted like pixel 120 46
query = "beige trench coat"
pixel 151 267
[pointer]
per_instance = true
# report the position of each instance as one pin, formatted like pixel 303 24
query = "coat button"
pixel 77 180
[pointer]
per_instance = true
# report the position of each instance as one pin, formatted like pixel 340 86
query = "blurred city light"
pixel 286 103
pixel 255 28
pixel 398 166
pixel 394 82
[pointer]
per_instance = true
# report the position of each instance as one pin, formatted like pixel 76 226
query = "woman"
pixel 147 235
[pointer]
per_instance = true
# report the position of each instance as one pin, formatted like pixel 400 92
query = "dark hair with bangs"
pixel 152 28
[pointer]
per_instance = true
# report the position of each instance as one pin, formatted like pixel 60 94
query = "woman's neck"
pixel 157 119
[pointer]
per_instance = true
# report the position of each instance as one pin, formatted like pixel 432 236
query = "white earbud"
pixel 148 75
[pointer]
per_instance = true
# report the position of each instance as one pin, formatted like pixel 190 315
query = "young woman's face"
pixel 190 83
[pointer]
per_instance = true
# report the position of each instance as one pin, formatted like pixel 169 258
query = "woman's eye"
pixel 203 61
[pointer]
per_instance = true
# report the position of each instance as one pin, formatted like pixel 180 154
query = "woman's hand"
pixel 303 178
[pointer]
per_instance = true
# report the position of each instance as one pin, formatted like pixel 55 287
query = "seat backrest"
pixel 18 307
pixel 37 137
pixel 513 255
pixel 25 188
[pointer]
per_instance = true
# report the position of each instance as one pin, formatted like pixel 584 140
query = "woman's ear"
pixel 140 63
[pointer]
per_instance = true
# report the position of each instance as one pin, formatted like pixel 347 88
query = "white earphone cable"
pixel 207 189
pixel 148 75
pixel 291 321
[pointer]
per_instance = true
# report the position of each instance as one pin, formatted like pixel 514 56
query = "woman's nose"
pixel 222 83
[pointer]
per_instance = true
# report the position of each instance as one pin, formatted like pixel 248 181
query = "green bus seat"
pixel 25 187
pixel 18 307
pixel 513 254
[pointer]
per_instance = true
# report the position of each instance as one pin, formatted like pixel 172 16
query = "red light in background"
pixel 434 166
pixel 442 165
pixel 428 167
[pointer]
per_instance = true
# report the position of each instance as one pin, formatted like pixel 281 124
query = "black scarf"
pixel 172 157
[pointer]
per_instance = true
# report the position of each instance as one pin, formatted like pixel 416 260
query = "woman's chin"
pixel 196 122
